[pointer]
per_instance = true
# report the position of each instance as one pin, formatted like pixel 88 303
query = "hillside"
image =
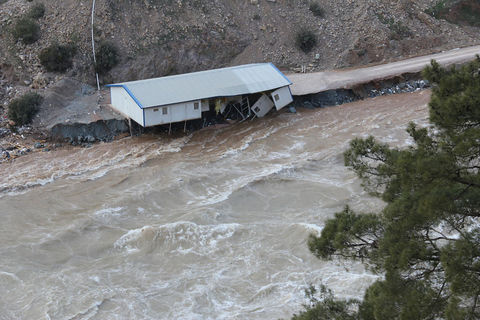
pixel 162 37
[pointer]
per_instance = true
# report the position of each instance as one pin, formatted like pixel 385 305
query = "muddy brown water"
pixel 208 226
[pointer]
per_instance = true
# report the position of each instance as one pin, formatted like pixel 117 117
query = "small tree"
pixel 317 9
pixel 305 40
pixel 27 30
pixel 37 11
pixel 22 110
pixel 57 57
pixel 426 241
pixel 106 56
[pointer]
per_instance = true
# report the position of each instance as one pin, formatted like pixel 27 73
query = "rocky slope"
pixel 161 37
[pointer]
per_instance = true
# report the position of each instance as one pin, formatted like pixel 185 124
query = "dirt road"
pixel 321 81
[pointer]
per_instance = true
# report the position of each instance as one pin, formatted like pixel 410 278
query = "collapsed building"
pixel 239 92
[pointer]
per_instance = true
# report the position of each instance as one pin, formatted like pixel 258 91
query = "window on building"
pixel 155 110
pixel 164 110
pixel 196 105
pixel 276 97
pixel 257 109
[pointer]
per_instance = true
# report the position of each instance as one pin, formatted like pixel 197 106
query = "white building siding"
pixel 122 102
pixel 262 106
pixel 282 97
pixel 173 113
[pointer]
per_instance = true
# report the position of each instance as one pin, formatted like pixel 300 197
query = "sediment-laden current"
pixel 207 226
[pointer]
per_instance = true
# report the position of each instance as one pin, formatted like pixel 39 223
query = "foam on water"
pixel 220 193
pixel 312 228
pixel 97 163
pixel 181 237
pixel 246 143
pixel 209 226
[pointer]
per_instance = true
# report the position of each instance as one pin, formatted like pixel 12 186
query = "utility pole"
pixel 93 47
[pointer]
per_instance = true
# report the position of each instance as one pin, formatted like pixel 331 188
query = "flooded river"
pixel 207 226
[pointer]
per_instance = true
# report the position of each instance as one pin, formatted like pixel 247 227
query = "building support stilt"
pixel 170 129
pixel 130 126
pixel 185 127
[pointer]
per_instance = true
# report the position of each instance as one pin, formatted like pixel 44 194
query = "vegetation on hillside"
pixel 457 11
pixel 107 57
pixel 398 30
pixel 27 30
pixel 426 241
pixel 305 40
pixel 23 109
pixel 57 57
pixel 317 9
pixel 37 11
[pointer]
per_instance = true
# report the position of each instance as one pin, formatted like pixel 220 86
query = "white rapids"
pixel 208 226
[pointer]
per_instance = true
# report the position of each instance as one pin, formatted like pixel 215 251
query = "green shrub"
pixel 398 30
pixel 106 56
pixel 436 10
pixel 305 40
pixel 57 57
pixel 316 9
pixel 22 110
pixel 463 12
pixel 27 30
pixel 36 11
pixel 469 13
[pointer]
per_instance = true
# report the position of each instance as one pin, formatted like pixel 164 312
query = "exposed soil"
pixel 163 37
pixel 157 38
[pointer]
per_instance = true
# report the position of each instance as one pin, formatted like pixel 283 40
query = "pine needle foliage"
pixel 426 241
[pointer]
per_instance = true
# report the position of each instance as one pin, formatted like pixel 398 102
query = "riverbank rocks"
pixel 326 98
pixel 403 87
pixel 360 92
pixel 78 133
pixel 4 132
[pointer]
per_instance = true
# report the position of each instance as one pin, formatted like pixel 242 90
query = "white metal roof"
pixel 232 81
